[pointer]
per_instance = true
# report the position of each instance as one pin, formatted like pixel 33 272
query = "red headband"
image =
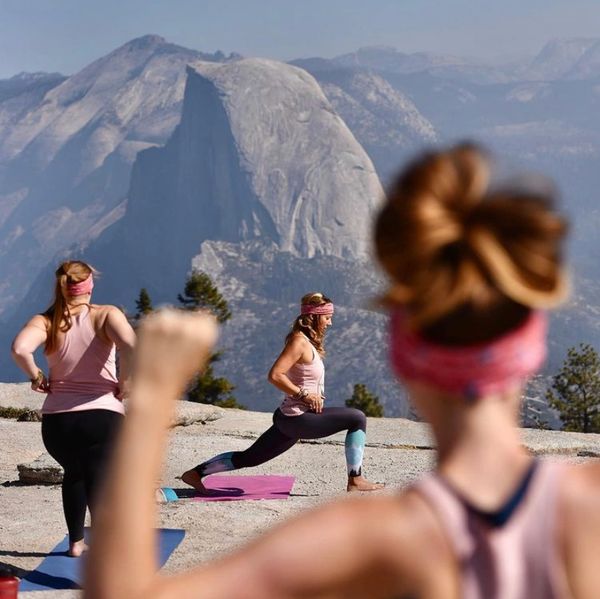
pixel 322 309
pixel 82 287
pixel 472 371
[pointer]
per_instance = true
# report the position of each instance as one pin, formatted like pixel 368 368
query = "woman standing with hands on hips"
pixel 83 406
pixel 300 373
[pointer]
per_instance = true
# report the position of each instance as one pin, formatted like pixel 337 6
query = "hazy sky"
pixel 65 35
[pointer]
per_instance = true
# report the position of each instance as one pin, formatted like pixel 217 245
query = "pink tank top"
pixel 311 376
pixel 518 559
pixel 82 371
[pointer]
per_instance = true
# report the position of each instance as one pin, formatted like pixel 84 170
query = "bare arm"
pixel 580 500
pixel 27 341
pixel 325 553
pixel 122 560
pixel 120 332
pixel 295 350
pixel 289 563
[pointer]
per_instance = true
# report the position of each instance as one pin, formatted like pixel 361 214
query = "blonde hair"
pixel 58 314
pixel 309 324
pixel 454 248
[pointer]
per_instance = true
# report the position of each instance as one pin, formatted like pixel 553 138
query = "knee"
pixel 239 460
pixel 358 420
pixel 72 475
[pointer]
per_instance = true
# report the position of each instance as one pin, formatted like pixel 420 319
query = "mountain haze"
pixel 263 186
pixel 259 154
pixel 383 119
pixel 157 158
pixel 66 152
pixel 559 58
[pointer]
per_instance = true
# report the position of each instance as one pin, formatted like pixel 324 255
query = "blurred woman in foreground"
pixel 471 269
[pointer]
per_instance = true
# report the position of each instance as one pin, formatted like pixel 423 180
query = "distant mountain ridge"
pixel 387 58
pixel 562 58
pixel 29 82
pixel 567 58
pixel 156 157
pixel 390 60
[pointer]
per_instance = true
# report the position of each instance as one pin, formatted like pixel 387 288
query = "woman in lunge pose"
pixel 83 406
pixel 299 372
pixel 471 268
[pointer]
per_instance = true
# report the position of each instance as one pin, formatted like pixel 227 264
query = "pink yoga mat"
pixel 237 488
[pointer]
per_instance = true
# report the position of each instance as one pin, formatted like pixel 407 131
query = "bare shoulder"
pixel 580 502
pixel 399 528
pixel 102 312
pixel 298 340
pixel 105 318
pixel 357 532
pixel 376 542
pixel 417 527
pixel 401 534
pixel 39 321
pixel 582 477
pixel 424 542
pixel 580 489
pixel 296 345
pixel 580 527
pixel 105 309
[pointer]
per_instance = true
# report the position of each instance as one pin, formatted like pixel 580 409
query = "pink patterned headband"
pixel 82 287
pixel 322 309
pixel 471 371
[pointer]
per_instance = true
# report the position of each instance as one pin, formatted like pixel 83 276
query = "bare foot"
pixel 77 548
pixel 192 478
pixel 360 483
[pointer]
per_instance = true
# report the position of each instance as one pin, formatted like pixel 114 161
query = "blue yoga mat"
pixel 59 571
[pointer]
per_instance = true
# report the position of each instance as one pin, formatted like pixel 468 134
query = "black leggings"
pixel 287 430
pixel 80 442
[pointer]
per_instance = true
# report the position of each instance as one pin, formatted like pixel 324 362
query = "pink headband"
pixel 82 287
pixel 475 370
pixel 322 309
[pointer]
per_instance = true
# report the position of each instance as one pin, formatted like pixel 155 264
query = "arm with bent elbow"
pixel 121 333
pixel 291 354
pixel 24 345
pixel 278 377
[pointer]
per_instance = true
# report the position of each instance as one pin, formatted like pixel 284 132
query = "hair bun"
pixel 447 242
pixel 517 238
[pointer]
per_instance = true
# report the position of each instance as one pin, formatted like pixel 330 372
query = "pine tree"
pixel 143 304
pixel 201 292
pixel 206 388
pixel 364 400
pixel 577 387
